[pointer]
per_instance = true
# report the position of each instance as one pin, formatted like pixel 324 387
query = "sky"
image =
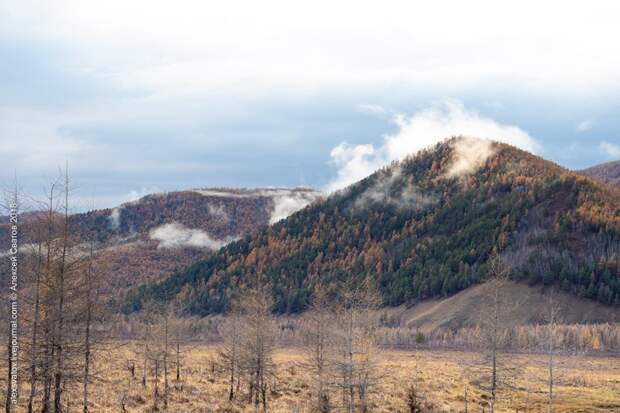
pixel 150 96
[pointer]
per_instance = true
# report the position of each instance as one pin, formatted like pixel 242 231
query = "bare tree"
pixel 147 321
pixel 166 351
pixel 552 318
pixel 319 345
pixel 35 319
pixel 258 342
pixel 230 351
pixel 156 350
pixel 357 347
pixel 56 320
pixel 60 322
pixel 46 301
pixel 59 278
pixel 494 327
pixel 90 312
pixel 178 354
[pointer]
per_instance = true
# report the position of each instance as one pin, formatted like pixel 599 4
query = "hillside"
pixel 147 239
pixel 608 172
pixel 425 228
pixel 525 305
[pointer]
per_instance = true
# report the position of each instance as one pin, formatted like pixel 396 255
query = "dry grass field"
pixel 584 384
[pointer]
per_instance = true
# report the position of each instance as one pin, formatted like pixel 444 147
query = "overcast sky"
pixel 145 96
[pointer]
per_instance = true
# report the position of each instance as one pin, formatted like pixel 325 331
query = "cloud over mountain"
pixel 423 129
pixel 175 235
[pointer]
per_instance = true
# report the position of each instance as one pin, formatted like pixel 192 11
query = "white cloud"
pixel 290 202
pixel 193 61
pixel 285 201
pixel 354 163
pixel 584 126
pixel 175 235
pixel 389 190
pixel 222 194
pixel 195 47
pixel 423 129
pixel 611 149
pixel 469 155
pixel 114 219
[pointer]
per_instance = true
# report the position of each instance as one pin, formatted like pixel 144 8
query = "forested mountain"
pixel 608 172
pixel 221 213
pixel 425 227
pixel 147 239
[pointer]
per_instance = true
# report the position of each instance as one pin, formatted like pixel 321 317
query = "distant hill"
pixel 608 172
pixel 147 239
pixel 425 228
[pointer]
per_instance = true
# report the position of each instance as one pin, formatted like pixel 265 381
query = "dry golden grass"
pixel 584 384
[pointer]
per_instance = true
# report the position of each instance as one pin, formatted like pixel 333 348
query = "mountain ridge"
pixel 145 240
pixel 423 230
pixel 608 172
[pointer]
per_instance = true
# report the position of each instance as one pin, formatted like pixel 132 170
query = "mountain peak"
pixel 426 227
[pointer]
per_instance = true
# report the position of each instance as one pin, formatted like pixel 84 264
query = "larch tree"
pixel 494 326
pixel 552 316
pixel 356 362
pixel 230 351
pixel 258 342
pixel 319 346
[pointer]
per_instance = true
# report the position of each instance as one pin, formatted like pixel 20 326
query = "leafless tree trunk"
pixel 348 365
pixel 178 355
pixel 47 372
pixel 60 328
pixel 145 352
pixel 48 353
pixel 553 314
pixel 165 357
pixel 230 352
pixel 319 346
pixel 494 322
pixel 35 328
pixel 156 384
pixel 357 343
pixel 87 330
pixel 258 342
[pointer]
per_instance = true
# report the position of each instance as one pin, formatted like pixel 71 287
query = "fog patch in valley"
pixel 175 235
pixel 285 201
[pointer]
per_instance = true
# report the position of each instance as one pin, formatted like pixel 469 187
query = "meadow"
pixel 446 381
